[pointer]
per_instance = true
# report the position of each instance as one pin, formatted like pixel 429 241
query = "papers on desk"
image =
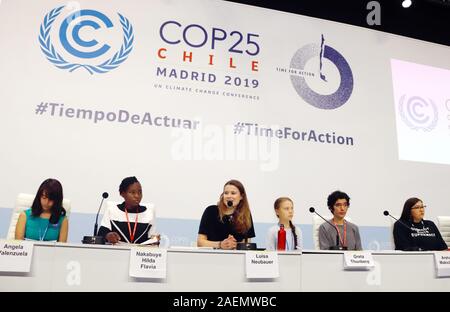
pixel 151 241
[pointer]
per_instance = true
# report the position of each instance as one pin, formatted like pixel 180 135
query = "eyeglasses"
pixel 419 207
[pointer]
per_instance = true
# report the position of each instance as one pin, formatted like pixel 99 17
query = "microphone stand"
pixel 338 243
pixel 245 245
pixel 411 248
pixel 95 239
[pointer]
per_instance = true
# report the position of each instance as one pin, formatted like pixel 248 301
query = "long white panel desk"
pixel 70 267
pixel 394 271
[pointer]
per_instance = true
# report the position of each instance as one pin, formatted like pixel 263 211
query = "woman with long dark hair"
pixel 413 233
pixel 46 219
pixel 224 225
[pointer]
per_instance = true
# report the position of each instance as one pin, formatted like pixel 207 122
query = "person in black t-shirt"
pixel 416 233
pixel 224 225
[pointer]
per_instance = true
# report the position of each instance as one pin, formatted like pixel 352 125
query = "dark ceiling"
pixel 427 20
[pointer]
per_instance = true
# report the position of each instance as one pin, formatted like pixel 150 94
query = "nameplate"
pixel 442 263
pixel 148 262
pixel 262 264
pixel 15 256
pixel 358 260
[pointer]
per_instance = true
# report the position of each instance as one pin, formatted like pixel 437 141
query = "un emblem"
pixel 418 113
pixel 72 37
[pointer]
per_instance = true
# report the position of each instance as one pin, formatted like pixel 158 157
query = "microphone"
pixel 96 239
pixel 104 196
pixel 245 245
pixel 338 245
pixel 229 205
pixel 386 213
pixel 413 248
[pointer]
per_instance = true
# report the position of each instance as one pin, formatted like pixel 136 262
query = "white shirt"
pixel 272 238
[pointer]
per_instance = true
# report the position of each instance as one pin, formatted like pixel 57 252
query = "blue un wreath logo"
pixel 83 19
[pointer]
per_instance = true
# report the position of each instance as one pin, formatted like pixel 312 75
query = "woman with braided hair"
pixel 284 209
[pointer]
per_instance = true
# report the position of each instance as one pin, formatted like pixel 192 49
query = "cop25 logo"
pixel 321 76
pixel 87 54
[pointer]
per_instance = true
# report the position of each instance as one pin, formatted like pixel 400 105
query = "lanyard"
pixel 41 238
pixel 135 224
pixel 343 241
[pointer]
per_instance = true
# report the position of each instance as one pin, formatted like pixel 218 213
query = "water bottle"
pixel 281 244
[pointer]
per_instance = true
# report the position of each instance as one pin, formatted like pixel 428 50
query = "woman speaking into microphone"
pixel 224 225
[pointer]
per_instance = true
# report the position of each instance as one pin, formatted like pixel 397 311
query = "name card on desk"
pixel 148 262
pixel 358 260
pixel 442 262
pixel 15 256
pixel 261 264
